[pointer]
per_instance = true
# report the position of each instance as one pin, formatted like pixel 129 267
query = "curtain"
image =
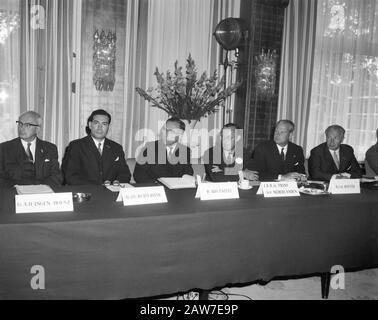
pixel 9 68
pixel 297 66
pixel 175 29
pixel 56 54
pixel 46 66
pixel 345 77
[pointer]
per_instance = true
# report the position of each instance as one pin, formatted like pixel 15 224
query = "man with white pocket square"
pixel 27 159
pixel 95 159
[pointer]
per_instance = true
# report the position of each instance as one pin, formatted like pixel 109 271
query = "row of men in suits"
pixel 96 159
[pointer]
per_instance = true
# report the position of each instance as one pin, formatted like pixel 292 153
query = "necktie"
pixel 229 158
pixel 171 153
pixel 99 148
pixel 29 153
pixel 336 159
pixel 282 154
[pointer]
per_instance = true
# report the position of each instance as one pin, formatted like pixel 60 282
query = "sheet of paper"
pixel 178 183
pixel 33 189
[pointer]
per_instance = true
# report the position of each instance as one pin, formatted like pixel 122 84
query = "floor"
pixel 361 285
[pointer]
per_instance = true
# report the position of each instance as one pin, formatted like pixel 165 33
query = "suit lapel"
pixel 107 156
pixel 275 152
pixel 329 158
pixel 343 160
pixel 93 148
pixel 290 157
pixel 20 154
pixel 39 159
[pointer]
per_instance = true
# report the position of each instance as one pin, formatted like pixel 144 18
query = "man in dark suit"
pixel 371 159
pixel 332 158
pixel 28 160
pixel 279 158
pixel 166 157
pixel 95 159
pixel 224 161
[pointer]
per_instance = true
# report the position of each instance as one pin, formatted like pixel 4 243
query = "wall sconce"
pixel 104 58
pixel 266 71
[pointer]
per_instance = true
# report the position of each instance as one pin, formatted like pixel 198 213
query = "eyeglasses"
pixel 26 125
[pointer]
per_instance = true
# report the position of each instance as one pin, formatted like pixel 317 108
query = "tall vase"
pixel 187 138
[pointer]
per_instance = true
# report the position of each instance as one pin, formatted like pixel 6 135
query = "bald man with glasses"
pixel 28 160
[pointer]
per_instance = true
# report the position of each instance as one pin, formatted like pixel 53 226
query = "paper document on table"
pixel 33 189
pixel 365 179
pixel 118 188
pixel 178 183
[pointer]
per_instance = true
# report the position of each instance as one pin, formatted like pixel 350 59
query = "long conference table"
pixel 104 250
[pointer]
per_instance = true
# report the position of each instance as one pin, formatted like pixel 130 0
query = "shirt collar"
pixel 333 151
pixel 96 141
pixel 171 147
pixel 32 143
pixel 280 148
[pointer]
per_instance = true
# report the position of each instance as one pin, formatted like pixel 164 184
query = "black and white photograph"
pixel 189 157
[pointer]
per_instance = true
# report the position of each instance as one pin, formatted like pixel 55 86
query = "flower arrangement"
pixel 186 96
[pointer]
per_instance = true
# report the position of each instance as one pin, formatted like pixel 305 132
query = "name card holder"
pixel 279 189
pixel 44 202
pixel 217 191
pixel 143 195
pixel 344 186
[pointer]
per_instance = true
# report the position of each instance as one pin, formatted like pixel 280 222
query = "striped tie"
pixel 29 153
pixel 99 148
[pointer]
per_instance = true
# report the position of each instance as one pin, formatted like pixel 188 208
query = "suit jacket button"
pixel 101 173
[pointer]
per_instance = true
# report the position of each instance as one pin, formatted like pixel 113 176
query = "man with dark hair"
pixel 95 159
pixel 165 157
pixel 28 160
pixel 224 161
pixel 371 159
pixel 332 159
pixel 279 158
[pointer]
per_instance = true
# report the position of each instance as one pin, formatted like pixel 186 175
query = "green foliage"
pixel 186 96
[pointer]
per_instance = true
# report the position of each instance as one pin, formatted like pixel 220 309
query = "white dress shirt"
pixel 171 149
pixel 97 142
pixel 333 154
pixel 32 146
pixel 285 152
pixel 280 148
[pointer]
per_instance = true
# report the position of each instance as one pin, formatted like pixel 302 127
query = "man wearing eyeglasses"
pixel 27 159
pixel 95 159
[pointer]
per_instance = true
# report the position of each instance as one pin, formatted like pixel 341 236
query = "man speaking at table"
pixel 279 158
pixel 28 160
pixel 166 157
pixel 95 159
pixel 332 159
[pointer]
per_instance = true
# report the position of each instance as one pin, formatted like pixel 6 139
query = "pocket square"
pixel 116 159
pixel 47 160
pixel 296 163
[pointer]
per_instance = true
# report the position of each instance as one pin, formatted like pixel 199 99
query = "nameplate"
pixel 218 191
pixel 46 202
pixel 344 186
pixel 279 189
pixel 143 195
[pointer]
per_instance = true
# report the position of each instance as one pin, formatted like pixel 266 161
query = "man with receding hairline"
pixel 165 157
pixel 279 158
pixel 28 160
pixel 332 159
